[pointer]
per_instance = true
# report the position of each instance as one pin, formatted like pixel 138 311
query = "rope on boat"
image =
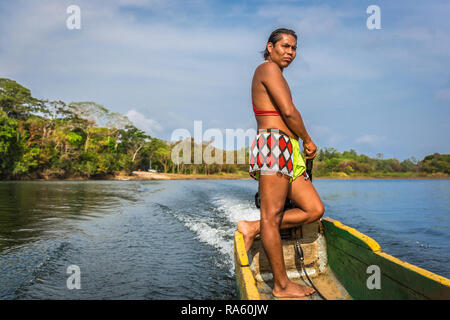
pixel 309 166
pixel 300 254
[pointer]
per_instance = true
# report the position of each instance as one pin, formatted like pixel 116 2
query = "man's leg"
pixel 305 196
pixel 273 190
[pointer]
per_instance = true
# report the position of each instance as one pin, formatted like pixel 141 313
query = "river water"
pixel 174 239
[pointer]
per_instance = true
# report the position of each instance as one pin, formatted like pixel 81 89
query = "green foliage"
pixel 330 162
pixel 436 163
pixel 84 139
pixel 74 138
pixel 16 101
pixel 27 162
pixel 8 142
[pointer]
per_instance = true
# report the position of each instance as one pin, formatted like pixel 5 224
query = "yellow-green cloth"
pixel 297 161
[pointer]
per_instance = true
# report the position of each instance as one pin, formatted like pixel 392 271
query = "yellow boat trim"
pixel 373 245
pixel 423 272
pixel 249 284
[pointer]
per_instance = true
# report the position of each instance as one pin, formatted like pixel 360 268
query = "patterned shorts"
pixel 271 152
pixel 274 151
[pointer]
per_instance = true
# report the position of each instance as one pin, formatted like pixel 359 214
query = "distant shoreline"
pixel 144 175
pixel 139 175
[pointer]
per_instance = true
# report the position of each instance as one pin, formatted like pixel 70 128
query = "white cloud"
pixel 325 136
pixel 147 125
pixel 370 139
pixel 309 21
pixel 443 95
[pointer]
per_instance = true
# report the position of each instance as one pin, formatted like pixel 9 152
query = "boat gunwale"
pixel 242 265
pixel 376 248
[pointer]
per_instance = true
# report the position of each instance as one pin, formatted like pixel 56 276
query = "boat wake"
pixel 216 227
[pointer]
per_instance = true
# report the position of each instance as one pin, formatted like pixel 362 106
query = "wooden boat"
pixel 341 262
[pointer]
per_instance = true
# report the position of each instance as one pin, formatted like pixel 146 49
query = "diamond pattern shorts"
pixel 273 151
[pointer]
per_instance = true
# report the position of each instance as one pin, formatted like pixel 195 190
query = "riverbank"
pixel 142 175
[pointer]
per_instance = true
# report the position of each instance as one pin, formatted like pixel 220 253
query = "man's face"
pixel 284 51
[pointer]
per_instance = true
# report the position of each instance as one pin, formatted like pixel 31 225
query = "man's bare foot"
pixel 292 290
pixel 248 231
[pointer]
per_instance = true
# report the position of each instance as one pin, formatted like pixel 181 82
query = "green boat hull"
pixel 343 264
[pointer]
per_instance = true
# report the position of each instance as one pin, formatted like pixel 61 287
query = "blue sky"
pixel 168 63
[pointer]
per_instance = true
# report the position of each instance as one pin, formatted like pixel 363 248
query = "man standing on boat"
pixel 276 162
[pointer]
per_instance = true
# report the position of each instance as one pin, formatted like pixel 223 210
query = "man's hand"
pixel 309 149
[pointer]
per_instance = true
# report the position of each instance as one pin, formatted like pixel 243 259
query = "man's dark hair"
pixel 276 36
